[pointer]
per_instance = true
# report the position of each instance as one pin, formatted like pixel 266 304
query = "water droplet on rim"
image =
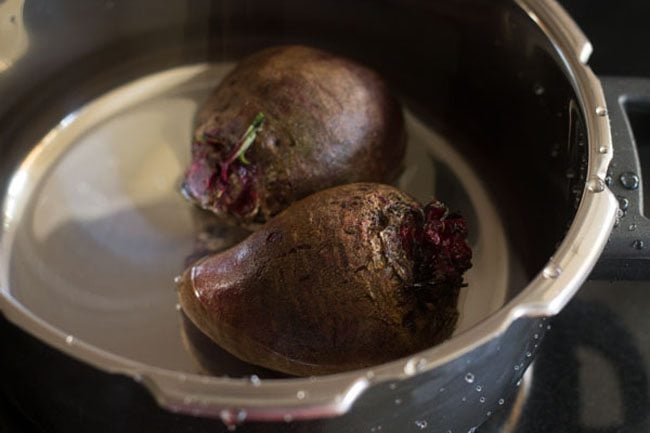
pixel 300 395
pixel 479 388
pixel 422 424
pixel 482 399
pixel 631 227
pixel 570 174
pixel 255 380
pixel 469 378
pixel 552 271
pixel 528 354
pixel 638 244
pixel 501 401
pixel 603 149
pixel 178 279
pixel 596 184
pixel 415 365
pixel 69 339
pixel 601 111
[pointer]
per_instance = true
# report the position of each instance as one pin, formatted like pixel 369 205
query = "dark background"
pixel 619 32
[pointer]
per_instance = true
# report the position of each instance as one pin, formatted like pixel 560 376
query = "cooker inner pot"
pixel 96 139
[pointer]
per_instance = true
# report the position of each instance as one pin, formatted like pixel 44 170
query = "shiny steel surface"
pixel 273 399
pixel 96 229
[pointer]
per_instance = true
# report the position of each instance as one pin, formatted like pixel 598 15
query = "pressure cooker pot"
pixel 506 123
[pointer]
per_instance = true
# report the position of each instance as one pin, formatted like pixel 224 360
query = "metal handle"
pixel 627 254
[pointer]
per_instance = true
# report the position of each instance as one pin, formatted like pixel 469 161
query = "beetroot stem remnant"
pixel 244 143
pixel 318 133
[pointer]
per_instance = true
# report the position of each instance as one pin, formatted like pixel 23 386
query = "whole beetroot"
pixel 346 278
pixel 285 123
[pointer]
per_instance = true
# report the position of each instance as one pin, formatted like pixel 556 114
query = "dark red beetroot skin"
pixel 346 278
pixel 327 121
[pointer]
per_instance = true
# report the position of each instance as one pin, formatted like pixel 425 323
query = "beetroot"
pixel 346 278
pixel 287 122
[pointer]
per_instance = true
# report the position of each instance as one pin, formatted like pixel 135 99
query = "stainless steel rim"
pixel 333 395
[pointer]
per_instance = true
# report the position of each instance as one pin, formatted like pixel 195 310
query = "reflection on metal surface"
pixel 13 36
pixel 583 243
pixel 518 405
pixel 107 209
pixel 510 419
pixel 106 219
pixel 101 186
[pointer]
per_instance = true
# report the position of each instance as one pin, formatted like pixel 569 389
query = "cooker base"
pixel 103 185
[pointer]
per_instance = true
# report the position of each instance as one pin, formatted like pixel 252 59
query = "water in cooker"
pixel 95 229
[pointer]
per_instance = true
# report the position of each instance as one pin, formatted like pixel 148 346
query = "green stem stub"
pixel 242 146
pixel 249 137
